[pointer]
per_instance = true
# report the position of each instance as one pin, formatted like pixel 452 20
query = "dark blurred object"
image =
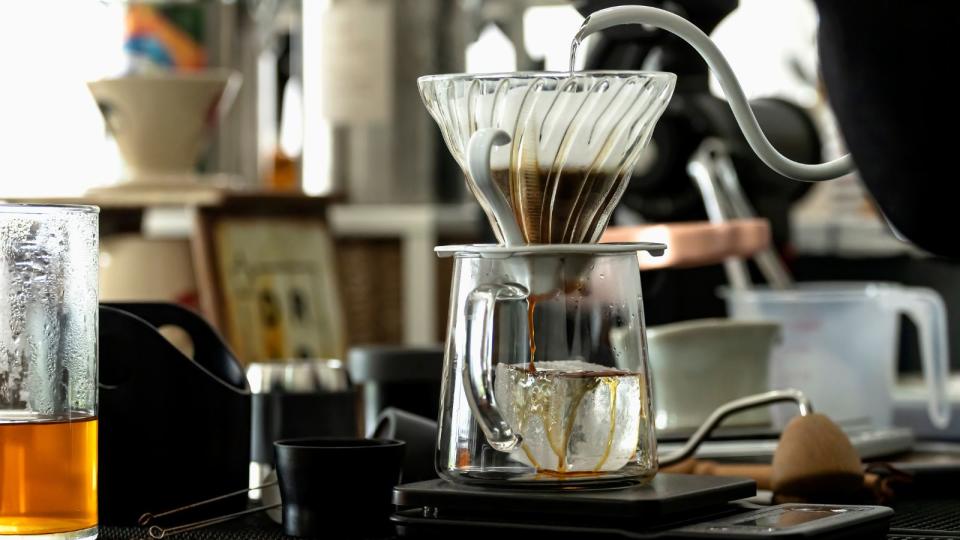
pixel 305 398
pixel 886 65
pixel 173 430
pixel 369 272
pixel 661 191
pixel 420 436
pixel 407 378
pixel 284 175
pixel 338 488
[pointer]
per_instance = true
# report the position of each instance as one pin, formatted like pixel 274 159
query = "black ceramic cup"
pixel 338 486
pixel 420 436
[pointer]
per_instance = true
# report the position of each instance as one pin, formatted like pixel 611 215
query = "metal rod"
pixel 732 407
pixel 146 518
pixel 772 268
pixel 718 207
pixel 159 532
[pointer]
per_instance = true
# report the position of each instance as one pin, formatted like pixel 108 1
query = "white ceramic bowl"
pixel 701 364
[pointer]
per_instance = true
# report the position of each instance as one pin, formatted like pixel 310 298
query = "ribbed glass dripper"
pixel 575 141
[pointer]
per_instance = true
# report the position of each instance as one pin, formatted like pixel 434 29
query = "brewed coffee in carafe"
pixel 577 418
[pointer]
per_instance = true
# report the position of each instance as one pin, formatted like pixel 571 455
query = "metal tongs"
pixel 157 532
pixel 689 448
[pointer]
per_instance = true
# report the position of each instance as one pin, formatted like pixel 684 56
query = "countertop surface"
pixel 914 519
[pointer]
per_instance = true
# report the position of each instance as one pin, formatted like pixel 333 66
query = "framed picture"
pixel 268 280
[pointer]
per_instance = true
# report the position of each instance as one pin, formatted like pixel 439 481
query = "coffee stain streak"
pixel 612 384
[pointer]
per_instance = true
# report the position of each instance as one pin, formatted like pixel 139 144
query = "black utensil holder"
pixel 173 430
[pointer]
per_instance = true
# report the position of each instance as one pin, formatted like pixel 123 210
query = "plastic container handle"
pixel 477 368
pixel 927 311
pixel 615 16
pixel 478 164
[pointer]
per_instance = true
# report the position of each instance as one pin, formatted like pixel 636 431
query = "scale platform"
pixel 666 495
pixel 672 506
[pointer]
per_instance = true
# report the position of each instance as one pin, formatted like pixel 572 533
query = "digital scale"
pixel 672 506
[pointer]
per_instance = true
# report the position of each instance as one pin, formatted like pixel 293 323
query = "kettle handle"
pixel 615 16
pixel 926 309
pixel 477 369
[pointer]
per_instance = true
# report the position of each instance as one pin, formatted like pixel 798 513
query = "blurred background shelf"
pixel 693 244
pixel 392 288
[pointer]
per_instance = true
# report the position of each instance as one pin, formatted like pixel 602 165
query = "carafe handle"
pixel 927 311
pixel 477 369
pixel 615 16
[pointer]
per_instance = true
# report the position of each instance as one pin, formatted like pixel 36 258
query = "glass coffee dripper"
pixel 568 145
pixel 545 377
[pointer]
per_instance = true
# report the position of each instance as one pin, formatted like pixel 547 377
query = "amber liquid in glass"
pixel 48 476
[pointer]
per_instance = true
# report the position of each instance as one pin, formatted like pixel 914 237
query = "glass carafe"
pixel 545 375
pixel 48 371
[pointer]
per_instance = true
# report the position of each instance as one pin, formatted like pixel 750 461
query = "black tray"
pixel 667 494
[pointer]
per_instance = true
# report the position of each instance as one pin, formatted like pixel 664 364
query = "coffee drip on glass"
pixel 546 379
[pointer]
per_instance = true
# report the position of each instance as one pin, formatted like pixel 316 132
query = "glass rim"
pixel 205 74
pixel 620 74
pixel 45 208
pixel 810 292
pixel 336 443
pixel 499 251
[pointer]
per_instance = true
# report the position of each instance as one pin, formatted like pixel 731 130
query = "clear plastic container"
pixel 840 343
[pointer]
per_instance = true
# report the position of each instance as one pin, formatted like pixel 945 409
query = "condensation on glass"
pixel 48 371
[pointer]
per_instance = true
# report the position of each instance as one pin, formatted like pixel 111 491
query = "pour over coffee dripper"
pixel 562 150
pixel 548 155
pixel 560 394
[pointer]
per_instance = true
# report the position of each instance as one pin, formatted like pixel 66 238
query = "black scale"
pixel 672 506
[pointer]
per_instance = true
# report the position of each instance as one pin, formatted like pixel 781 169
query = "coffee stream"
pixel 564 397
pixel 566 207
